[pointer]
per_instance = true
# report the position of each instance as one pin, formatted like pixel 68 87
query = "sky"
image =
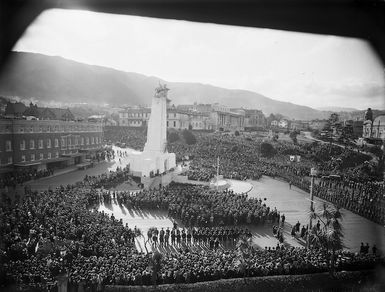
pixel 306 69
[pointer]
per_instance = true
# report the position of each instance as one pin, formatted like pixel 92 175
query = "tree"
pixel 173 137
pixel 269 119
pixel 293 136
pixel 267 149
pixel 189 137
pixel 329 235
pixel 334 118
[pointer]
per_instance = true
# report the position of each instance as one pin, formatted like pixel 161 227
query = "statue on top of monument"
pixel 368 115
pixel 161 91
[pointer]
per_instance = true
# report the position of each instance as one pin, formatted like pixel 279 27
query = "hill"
pixel 337 109
pixel 48 80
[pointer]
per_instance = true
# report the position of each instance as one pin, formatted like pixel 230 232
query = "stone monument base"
pixel 219 183
pixel 148 164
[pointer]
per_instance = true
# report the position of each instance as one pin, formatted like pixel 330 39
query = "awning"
pixel 57 159
pixel 73 155
pixel 91 150
pixel 27 163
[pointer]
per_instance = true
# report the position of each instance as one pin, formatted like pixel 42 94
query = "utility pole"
pixel 313 173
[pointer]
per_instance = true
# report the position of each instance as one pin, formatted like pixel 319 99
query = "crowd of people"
pixel 12 179
pixel 212 237
pixel 240 158
pixel 195 266
pixel 134 138
pixel 108 180
pixel 196 205
pixel 59 231
pixel 103 154
pixel 365 199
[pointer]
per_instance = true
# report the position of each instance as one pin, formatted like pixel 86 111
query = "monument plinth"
pixel 155 159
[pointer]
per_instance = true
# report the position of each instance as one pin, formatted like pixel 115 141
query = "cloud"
pixel 365 90
pixel 302 68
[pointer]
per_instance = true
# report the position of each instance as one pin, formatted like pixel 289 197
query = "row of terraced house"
pixel 198 117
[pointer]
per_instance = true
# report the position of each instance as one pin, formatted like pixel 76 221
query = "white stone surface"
pixel 155 157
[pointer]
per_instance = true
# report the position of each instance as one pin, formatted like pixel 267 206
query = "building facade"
pixel 254 119
pixel 177 119
pixel 299 125
pixel 317 124
pixel 283 124
pixel 274 123
pixel 43 144
pixel 134 117
pixel 374 130
pixel 227 121
pixel 198 117
pixel 200 121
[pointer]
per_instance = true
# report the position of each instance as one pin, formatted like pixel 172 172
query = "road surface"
pixel 295 204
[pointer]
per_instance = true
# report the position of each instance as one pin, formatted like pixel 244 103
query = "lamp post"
pixel 383 157
pixel 313 174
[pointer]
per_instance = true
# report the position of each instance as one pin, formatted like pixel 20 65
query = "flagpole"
pixel 217 171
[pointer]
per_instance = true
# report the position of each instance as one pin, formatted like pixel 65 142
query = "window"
pixel 10 160
pixel 92 140
pixel 174 115
pixel 22 145
pixel 32 157
pixel 69 142
pixel 174 124
pixel 31 130
pixel 82 141
pixel 8 145
pixel 56 154
pixel 63 142
pixel 167 123
pixel 96 140
pixel 48 143
pixel 87 141
pixel 76 141
pixel 41 156
pixel 21 130
pixel 31 144
pixel 22 158
pixel 56 142
pixel 40 143
pixel 49 156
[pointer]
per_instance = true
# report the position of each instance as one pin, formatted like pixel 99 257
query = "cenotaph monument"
pixel 155 159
